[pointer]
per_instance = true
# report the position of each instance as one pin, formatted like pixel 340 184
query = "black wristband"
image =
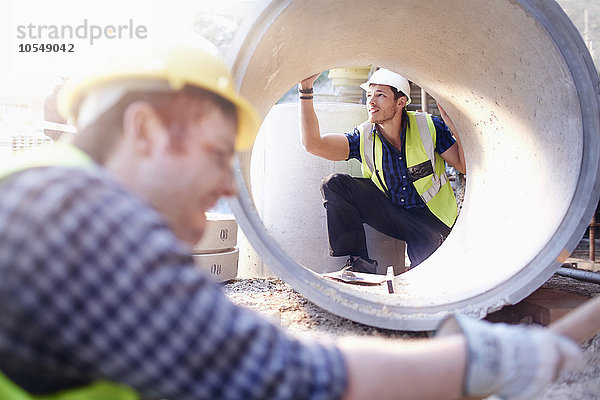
pixel 306 97
pixel 306 91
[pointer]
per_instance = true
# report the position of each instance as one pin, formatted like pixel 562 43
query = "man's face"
pixel 381 105
pixel 183 184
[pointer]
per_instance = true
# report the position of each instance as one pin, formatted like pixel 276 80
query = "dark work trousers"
pixel 350 202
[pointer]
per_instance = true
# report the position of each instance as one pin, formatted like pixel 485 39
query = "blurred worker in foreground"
pixel 97 284
pixel 404 192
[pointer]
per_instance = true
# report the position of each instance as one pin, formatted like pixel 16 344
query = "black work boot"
pixel 358 264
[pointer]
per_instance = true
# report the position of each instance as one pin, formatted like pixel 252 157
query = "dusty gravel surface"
pixel 283 305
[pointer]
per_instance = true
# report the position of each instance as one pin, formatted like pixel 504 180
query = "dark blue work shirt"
pixel 402 192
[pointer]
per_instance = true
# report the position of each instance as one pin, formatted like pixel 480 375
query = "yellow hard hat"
pixel 178 66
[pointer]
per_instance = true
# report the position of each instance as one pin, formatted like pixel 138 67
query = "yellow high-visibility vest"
pixel 58 155
pixel 44 156
pixel 429 167
pixel 100 390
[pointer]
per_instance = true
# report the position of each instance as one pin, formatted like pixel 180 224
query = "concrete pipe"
pixel 216 253
pixel 517 80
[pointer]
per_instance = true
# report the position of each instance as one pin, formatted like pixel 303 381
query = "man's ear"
pixel 142 127
pixel 402 100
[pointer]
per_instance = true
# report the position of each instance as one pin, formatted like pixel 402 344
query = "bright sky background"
pixel 37 73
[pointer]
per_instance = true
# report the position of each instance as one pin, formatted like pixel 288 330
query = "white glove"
pixel 513 361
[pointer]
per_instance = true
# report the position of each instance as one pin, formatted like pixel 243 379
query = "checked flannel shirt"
pixel 94 285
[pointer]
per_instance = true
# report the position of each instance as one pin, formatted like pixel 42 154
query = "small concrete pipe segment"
pixel 519 84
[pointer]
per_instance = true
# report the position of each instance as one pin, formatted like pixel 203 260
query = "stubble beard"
pixel 383 118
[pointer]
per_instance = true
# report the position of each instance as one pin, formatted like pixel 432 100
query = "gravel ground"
pixel 279 302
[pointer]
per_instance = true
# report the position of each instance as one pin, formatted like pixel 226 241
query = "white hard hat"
pixel 386 77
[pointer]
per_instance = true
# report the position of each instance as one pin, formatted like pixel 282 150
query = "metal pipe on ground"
pixel 517 80
pixel 587 276
pixel 424 101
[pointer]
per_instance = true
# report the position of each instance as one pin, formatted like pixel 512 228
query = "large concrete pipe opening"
pixel 519 84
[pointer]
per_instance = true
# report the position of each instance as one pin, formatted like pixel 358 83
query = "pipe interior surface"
pixel 517 81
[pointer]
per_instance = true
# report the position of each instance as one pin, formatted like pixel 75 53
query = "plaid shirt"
pixel 93 285
pixel 402 191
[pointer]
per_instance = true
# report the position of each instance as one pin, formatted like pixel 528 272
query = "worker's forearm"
pixel 331 146
pixel 461 167
pixel 420 369
pixel 461 154
pixel 309 126
pixel 457 160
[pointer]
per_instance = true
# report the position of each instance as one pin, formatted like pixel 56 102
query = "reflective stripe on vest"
pixel 437 181
pixel 374 152
pixel 434 188
pixel 69 156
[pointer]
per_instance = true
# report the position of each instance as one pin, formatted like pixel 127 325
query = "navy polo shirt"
pixel 402 192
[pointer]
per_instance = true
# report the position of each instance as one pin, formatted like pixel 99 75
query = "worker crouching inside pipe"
pixel 404 191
